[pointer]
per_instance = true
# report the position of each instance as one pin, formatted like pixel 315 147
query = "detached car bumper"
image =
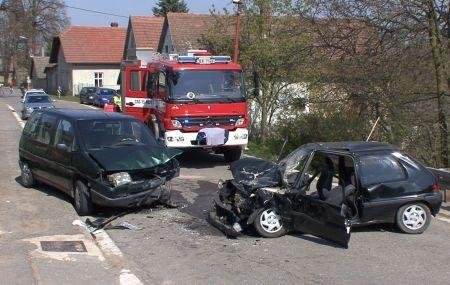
pixel 128 196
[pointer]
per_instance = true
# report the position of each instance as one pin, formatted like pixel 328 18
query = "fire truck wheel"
pixel 232 154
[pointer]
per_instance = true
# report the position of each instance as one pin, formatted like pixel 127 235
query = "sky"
pixel 126 8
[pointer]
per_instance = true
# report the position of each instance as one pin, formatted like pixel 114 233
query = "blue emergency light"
pixel 204 59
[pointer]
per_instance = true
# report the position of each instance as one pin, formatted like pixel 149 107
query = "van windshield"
pixel 110 133
pixel 208 85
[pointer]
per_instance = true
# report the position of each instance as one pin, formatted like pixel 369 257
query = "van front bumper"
pixel 129 196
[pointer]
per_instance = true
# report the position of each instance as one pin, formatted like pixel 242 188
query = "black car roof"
pixel 352 146
pixel 81 114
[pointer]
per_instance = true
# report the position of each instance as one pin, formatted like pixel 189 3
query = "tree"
pixel 273 43
pixel 389 60
pixel 27 26
pixel 166 6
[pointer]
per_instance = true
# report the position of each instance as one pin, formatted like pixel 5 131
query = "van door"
pixel 61 153
pixel 39 147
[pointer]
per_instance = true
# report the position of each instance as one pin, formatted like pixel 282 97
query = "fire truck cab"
pixel 191 101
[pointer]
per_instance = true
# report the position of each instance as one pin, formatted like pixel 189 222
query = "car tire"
pixel 413 218
pixel 82 199
pixel 26 175
pixel 232 154
pixel 268 224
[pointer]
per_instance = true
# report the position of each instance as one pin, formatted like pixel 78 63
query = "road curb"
pixel 110 250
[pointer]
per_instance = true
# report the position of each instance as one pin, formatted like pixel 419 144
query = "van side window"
pixel 65 134
pixel 46 129
pixel 31 128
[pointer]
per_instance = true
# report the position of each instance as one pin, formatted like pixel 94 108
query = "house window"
pixel 98 79
pixel 167 48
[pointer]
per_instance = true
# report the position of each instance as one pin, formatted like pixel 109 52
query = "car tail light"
pixel 436 188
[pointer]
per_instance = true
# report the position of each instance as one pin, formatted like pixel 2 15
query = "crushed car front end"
pixel 126 189
pixel 242 198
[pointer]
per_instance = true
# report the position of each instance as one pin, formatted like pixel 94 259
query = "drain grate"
pixel 63 246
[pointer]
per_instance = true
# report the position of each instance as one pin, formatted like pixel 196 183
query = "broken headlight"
pixel 120 178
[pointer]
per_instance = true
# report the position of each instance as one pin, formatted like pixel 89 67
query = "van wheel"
pixel 268 224
pixel 413 218
pixel 82 199
pixel 26 175
pixel 232 154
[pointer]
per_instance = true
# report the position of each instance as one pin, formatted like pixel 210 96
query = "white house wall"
pixel 83 76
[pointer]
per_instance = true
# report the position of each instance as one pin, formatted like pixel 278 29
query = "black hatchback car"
pixel 324 189
pixel 97 158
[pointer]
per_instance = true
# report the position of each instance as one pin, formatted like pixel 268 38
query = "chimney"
pixel 114 24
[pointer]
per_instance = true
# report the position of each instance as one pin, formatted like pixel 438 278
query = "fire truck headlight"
pixel 177 124
pixel 240 122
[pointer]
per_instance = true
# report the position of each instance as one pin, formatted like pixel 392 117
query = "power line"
pixel 95 11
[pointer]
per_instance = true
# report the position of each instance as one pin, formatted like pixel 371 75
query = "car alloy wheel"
pixel 270 221
pixel 414 217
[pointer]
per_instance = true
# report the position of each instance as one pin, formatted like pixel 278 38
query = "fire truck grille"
pixel 211 122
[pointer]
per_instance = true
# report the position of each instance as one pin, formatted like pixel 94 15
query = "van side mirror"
pixel 255 83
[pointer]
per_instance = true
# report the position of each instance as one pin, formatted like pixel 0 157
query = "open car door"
pixel 313 216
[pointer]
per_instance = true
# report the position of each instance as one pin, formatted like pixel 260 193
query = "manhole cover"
pixel 63 246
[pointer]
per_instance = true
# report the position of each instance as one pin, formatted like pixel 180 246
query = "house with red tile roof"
pixel 183 31
pixel 85 56
pixel 143 37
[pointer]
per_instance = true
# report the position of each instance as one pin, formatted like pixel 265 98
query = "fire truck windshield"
pixel 208 85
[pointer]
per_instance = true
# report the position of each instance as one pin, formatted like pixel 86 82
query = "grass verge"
pixel 66 98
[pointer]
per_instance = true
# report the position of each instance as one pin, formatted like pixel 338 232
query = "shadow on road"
pixel 48 190
pixel 200 158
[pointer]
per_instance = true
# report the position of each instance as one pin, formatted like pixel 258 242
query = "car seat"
pixel 325 181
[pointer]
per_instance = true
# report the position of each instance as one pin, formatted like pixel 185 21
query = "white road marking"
pixel 21 123
pixel 128 278
pixel 92 107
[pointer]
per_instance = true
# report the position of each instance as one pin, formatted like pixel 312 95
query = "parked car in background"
pixel 96 157
pixel 324 189
pixel 104 96
pixel 35 101
pixel 87 95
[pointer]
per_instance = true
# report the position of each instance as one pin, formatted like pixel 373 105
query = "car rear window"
pixel 38 99
pixel 380 168
pixel 106 92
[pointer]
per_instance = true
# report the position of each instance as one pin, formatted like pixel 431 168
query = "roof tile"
pixel 93 44
pixel 147 31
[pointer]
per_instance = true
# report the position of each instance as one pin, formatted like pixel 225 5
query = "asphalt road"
pixel 177 246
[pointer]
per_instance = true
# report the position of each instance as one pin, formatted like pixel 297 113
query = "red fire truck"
pixel 197 100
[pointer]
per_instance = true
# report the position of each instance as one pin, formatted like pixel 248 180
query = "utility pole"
pixel 236 33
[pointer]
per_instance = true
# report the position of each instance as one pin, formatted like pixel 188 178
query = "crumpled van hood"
pixel 127 158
